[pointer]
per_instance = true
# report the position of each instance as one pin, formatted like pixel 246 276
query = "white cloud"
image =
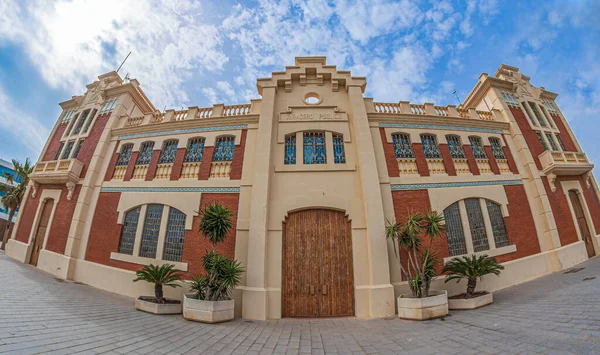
pixel 28 131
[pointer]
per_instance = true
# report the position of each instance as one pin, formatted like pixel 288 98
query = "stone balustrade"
pixel 503 165
pixel 564 163
pixel 428 109
pixel 140 171
pixel 134 121
pixel 484 166
pixel 220 169
pixel 436 166
pixel 461 165
pixel 163 171
pixel 119 173
pixel 180 115
pixel 64 171
pixel 190 170
pixel 407 166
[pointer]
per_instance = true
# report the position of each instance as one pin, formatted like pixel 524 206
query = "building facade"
pixel 6 168
pixel 312 171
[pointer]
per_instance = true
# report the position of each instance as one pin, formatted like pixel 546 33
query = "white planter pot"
pixel 434 306
pixel 471 303
pixel 158 308
pixel 207 311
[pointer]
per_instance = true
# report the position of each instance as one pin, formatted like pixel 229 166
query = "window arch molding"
pixel 441 198
pixel 186 202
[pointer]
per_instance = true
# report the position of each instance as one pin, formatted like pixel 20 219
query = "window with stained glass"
pixel 476 225
pixel 430 147
pixel 151 231
pixel 175 235
pixel 167 154
pixel 195 150
pixel 81 121
pixel 454 230
pixel 77 148
pixel 529 114
pixel 314 148
pixel 89 120
pixel 560 143
pixel 544 145
pixel 145 153
pixel 128 231
pixel 497 148
pixel 67 152
pixel 125 155
pixel 455 147
pixel 70 127
pixel 57 156
pixel 402 146
pixel 338 149
pixel 290 149
pixel 509 98
pixel 551 141
pixel 537 114
pixel 497 221
pixel 477 148
pixel 224 148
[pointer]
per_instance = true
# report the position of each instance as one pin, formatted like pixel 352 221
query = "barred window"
pixel 89 120
pixel 224 148
pixel 455 147
pixel 476 224
pixel 402 146
pixel 544 145
pixel 57 156
pixel 68 149
pixel 151 231
pixel 145 153
pixel 175 235
pixel 497 148
pixel 128 231
pixel 77 148
pixel 430 147
pixel 314 148
pixel 537 114
pixel 552 142
pixel 338 149
pixel 168 152
pixel 125 155
pixel 477 148
pixel 195 150
pixel 81 121
pixel 560 143
pixel 454 231
pixel 290 149
pixel 529 114
pixel 497 221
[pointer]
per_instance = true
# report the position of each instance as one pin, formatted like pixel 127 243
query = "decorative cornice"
pixel 233 190
pixel 138 96
pixel 398 187
pixel 445 127
pixel 183 131
pixel 489 82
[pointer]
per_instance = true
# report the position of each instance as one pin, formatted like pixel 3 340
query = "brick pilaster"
pixel 471 159
pixel 177 164
pixel 206 163
pixel 448 162
pixel 390 156
pixel 131 166
pixel 493 163
pixel 421 161
pixel 152 167
pixel 238 158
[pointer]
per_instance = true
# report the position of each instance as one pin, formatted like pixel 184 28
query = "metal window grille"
pixel 125 155
pixel 454 231
pixel 477 148
pixel 455 147
pixel 128 231
pixel 338 149
pixel 290 150
pixel 224 149
pixel 537 114
pixel 151 230
pixel 529 114
pixel 81 121
pixel 89 120
pixel 145 153
pixel 476 224
pixel 57 156
pixel 167 154
pixel 402 146
pixel 175 235
pixel 498 227
pixel 560 143
pixel 195 149
pixel 314 148
pixel 497 148
pixel 551 141
pixel 430 147
pixel 544 145
pixel 77 148
pixel 68 149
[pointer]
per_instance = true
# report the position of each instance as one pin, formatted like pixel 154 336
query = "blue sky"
pixel 189 53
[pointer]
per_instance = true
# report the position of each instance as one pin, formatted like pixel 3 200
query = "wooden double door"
pixel 317 275
pixel 40 233
pixel 582 222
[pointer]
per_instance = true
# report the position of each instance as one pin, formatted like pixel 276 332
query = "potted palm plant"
pixel 211 300
pixel 471 268
pixel 413 239
pixel 164 275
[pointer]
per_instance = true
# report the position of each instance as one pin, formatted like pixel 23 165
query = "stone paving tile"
pixel 556 314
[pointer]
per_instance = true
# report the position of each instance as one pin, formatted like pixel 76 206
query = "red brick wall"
pixel 131 166
pixel 471 159
pixel 238 158
pixel 593 204
pixel 448 162
pixel 509 157
pixel 178 164
pixel 27 212
pixel 562 214
pixel 61 222
pixel 55 142
pixel 492 159
pixel 113 163
pixel 533 142
pixel 564 134
pixel 152 166
pixel 421 161
pixel 204 173
pixel 89 144
pixel 390 156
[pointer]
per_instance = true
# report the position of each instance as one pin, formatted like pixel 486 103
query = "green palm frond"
pixel 216 222
pixel 165 275
pixel 223 275
pixel 472 267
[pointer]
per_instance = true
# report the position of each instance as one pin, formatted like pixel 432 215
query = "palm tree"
pixel 164 275
pixel 471 268
pixel 215 223
pixel 14 192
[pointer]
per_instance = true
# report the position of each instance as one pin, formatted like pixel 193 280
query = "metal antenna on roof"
pixel 126 80
pixel 123 62
pixel 455 94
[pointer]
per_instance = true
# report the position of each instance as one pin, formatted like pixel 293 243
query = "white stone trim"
pixel 146 261
pixel 46 194
pixel 186 202
pixel 575 185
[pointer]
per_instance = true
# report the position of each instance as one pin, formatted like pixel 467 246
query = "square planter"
pixel 158 308
pixel 207 311
pixel 434 306
pixel 470 303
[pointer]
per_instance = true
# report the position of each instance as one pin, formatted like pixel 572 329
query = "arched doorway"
pixel 40 233
pixel 317 275
pixel 582 222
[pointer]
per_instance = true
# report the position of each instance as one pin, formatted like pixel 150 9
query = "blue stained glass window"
pixel 77 148
pixel 81 121
pixel 477 148
pixel 195 149
pixel 338 149
pixel 290 149
pixel 430 147
pixel 537 114
pixel 454 231
pixel 125 155
pixel 128 232
pixel 167 154
pixel 402 146
pixel 175 235
pixel 544 145
pixel 455 147
pixel 89 120
pixel 151 230
pixel 560 142
pixel 224 148
pixel 497 148
pixel 145 153
pixel 68 149
pixel 497 221
pixel 476 224
pixel 314 148
pixel 62 144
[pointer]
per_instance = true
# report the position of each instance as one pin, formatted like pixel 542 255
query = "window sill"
pixel 315 167
pixel 146 261
pixel 491 253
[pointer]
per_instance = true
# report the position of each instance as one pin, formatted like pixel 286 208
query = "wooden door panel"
pixel 582 223
pixel 41 231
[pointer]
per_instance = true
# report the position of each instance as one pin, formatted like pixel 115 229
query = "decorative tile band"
pixel 183 131
pixel 454 184
pixel 432 126
pixel 234 190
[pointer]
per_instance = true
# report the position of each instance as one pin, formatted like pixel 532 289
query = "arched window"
pixel 402 146
pixel 497 221
pixel 338 149
pixel 81 121
pixel 290 149
pixel 125 154
pixel 151 231
pixel 175 235
pixel 128 231
pixel 168 152
pixel 476 224
pixel 497 148
pixel 454 230
pixel 430 147
pixel 477 148
pixel 195 150
pixel 145 153
pixel 224 148
pixel 314 148
pixel 455 147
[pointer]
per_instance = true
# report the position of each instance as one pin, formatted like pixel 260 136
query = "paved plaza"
pixel 559 314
